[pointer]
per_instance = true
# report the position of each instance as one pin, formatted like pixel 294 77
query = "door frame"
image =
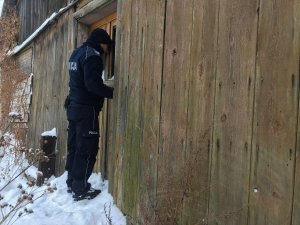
pixel 107 23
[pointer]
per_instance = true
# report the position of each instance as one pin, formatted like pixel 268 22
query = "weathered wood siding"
pixel 50 84
pixel 33 13
pixel 83 3
pixel 206 112
pixel 233 114
pixel 276 115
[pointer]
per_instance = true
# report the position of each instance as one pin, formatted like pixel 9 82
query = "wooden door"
pixel 109 24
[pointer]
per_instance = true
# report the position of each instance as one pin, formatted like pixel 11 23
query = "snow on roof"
pixel 41 28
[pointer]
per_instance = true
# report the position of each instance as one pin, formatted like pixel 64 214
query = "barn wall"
pixel 206 107
pixel 206 112
pixel 51 51
pixel 275 147
pixel 33 13
pixel 50 84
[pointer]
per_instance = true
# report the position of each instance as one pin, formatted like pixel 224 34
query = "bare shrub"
pixel 9 28
pixel 17 160
pixel 11 76
pixel 13 105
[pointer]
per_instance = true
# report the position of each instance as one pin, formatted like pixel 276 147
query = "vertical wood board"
pixel 296 50
pixel 171 182
pixel 276 108
pixel 200 110
pixel 50 85
pixel 131 156
pixel 122 99
pixel 33 13
pixel 152 39
pixel 230 165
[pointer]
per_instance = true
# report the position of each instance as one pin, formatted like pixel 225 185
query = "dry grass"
pixel 14 98
pixel 9 27
pixel 11 76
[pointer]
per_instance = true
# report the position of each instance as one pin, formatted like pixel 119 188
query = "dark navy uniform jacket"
pixel 86 84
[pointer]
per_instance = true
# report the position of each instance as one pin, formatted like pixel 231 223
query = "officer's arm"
pixel 92 78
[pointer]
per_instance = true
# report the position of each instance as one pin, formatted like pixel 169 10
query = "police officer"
pixel 86 97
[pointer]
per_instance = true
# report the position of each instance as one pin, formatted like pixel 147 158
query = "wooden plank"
pixel 152 17
pixel 111 107
pixel 200 111
pixel 296 50
pixel 131 156
pixel 34 13
pixel 55 96
pixel 114 159
pixel 88 6
pixel 83 3
pixel 50 84
pixel 34 127
pixel 121 97
pixel 105 125
pixel 25 61
pixel 69 44
pixel 276 108
pixel 31 140
pixel 104 21
pixel 95 10
pixel 171 182
pixel 81 34
pixel 230 166
pixel 103 144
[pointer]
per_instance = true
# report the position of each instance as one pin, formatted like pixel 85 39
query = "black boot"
pixel 90 194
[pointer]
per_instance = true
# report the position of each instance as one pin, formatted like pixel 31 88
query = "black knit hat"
pixel 100 36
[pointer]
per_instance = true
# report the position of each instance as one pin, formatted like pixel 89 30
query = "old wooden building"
pixel 203 127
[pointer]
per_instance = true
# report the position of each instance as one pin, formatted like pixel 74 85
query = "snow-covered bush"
pixel 18 176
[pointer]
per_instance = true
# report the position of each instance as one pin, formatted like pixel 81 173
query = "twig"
pixel 18 217
pixel 15 177
pixel 18 207
pixel 6 128
pixel 2 212
pixel 12 210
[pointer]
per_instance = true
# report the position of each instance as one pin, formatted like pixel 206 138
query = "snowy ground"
pixel 1 6
pixel 53 208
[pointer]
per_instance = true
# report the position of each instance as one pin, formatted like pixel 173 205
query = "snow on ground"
pixel 1 6
pixel 57 207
